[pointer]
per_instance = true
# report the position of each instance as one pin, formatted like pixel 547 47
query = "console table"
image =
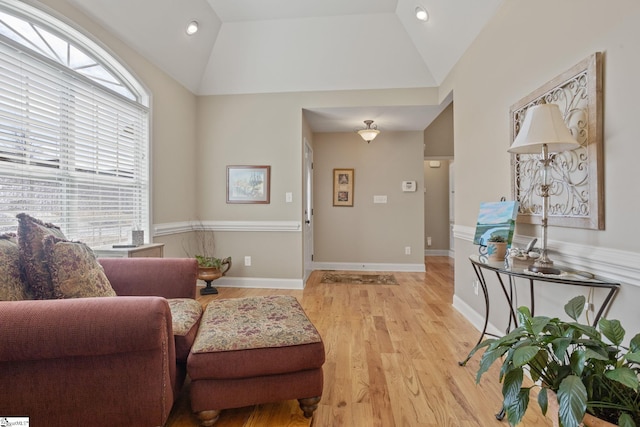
pixel 504 273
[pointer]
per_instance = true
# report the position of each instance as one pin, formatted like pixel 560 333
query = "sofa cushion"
pixel 74 270
pixel 31 234
pixel 12 285
pixel 185 318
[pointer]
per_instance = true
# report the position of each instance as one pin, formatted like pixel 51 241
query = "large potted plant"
pixel 586 368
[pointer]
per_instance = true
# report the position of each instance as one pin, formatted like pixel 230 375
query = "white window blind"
pixel 71 152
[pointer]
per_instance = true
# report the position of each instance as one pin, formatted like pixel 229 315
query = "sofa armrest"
pixel 77 327
pixel 72 361
pixel 166 277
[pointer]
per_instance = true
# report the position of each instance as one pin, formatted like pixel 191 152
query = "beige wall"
pixel 512 57
pixel 438 136
pixel 173 112
pixel 438 145
pixel 368 232
pixel 267 129
pixel 436 206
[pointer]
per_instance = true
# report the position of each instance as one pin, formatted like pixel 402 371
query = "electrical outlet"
pixel 247 261
pixel 407 250
pixel 476 284
pixel 428 240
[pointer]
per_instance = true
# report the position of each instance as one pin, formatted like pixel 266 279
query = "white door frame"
pixel 307 235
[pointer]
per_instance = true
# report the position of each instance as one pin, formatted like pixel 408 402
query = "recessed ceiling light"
pixel 421 14
pixel 192 28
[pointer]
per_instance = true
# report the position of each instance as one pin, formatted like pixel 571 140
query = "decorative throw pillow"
pixel 75 271
pixel 31 234
pixel 12 287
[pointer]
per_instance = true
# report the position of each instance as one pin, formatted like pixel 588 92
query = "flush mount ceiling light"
pixel 422 14
pixel 370 132
pixel 192 28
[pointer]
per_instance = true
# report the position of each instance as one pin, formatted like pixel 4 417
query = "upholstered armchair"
pixel 100 361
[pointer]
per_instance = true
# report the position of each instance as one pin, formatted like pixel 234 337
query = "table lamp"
pixel 544 132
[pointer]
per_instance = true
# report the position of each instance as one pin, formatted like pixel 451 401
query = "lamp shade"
pixel 370 132
pixel 542 125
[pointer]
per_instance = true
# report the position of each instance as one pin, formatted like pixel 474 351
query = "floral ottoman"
pixel 256 350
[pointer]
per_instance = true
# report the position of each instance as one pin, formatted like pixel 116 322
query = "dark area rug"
pixel 360 279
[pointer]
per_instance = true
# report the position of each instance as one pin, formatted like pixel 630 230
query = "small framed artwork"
pixel 343 187
pixel 248 184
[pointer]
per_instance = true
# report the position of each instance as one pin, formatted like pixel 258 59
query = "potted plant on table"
pixel 572 364
pixel 496 247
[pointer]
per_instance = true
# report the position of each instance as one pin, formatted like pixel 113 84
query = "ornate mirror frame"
pixel 577 186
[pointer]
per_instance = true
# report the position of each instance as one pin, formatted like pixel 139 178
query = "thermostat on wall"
pixel 408 186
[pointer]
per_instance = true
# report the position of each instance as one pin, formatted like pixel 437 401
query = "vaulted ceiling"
pixel 265 46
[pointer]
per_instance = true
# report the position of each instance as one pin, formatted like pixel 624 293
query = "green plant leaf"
pixel 559 346
pixel 625 420
pixel 488 357
pixel 511 386
pixel 578 359
pixel 633 357
pixel 539 324
pixel 518 407
pixel 613 330
pixel 572 398
pixel 543 400
pixel 624 375
pixel 574 307
pixel 587 330
pixel 597 355
pixel 524 354
pixel 634 344
pixel 484 343
pixel 524 315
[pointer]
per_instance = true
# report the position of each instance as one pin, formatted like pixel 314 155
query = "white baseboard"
pixel 475 318
pixel 437 252
pixel 258 283
pixel 368 266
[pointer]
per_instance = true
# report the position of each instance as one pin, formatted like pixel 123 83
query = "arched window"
pixel 74 131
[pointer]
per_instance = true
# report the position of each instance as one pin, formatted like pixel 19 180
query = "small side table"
pixel 155 250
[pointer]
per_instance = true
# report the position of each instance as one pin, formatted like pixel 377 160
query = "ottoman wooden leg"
pixel 309 405
pixel 209 418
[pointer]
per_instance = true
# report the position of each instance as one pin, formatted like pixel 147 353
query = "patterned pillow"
pixel 31 234
pixel 12 287
pixel 74 270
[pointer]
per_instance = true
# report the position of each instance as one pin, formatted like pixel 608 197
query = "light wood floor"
pixel 392 355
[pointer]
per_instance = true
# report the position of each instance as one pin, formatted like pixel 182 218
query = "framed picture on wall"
pixel 248 184
pixel 343 187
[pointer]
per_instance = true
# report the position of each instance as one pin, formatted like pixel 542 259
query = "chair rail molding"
pixel 606 263
pixel 169 228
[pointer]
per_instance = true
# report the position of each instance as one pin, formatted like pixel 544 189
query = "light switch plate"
pixel 379 199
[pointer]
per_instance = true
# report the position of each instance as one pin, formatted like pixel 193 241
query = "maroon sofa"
pixel 108 361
